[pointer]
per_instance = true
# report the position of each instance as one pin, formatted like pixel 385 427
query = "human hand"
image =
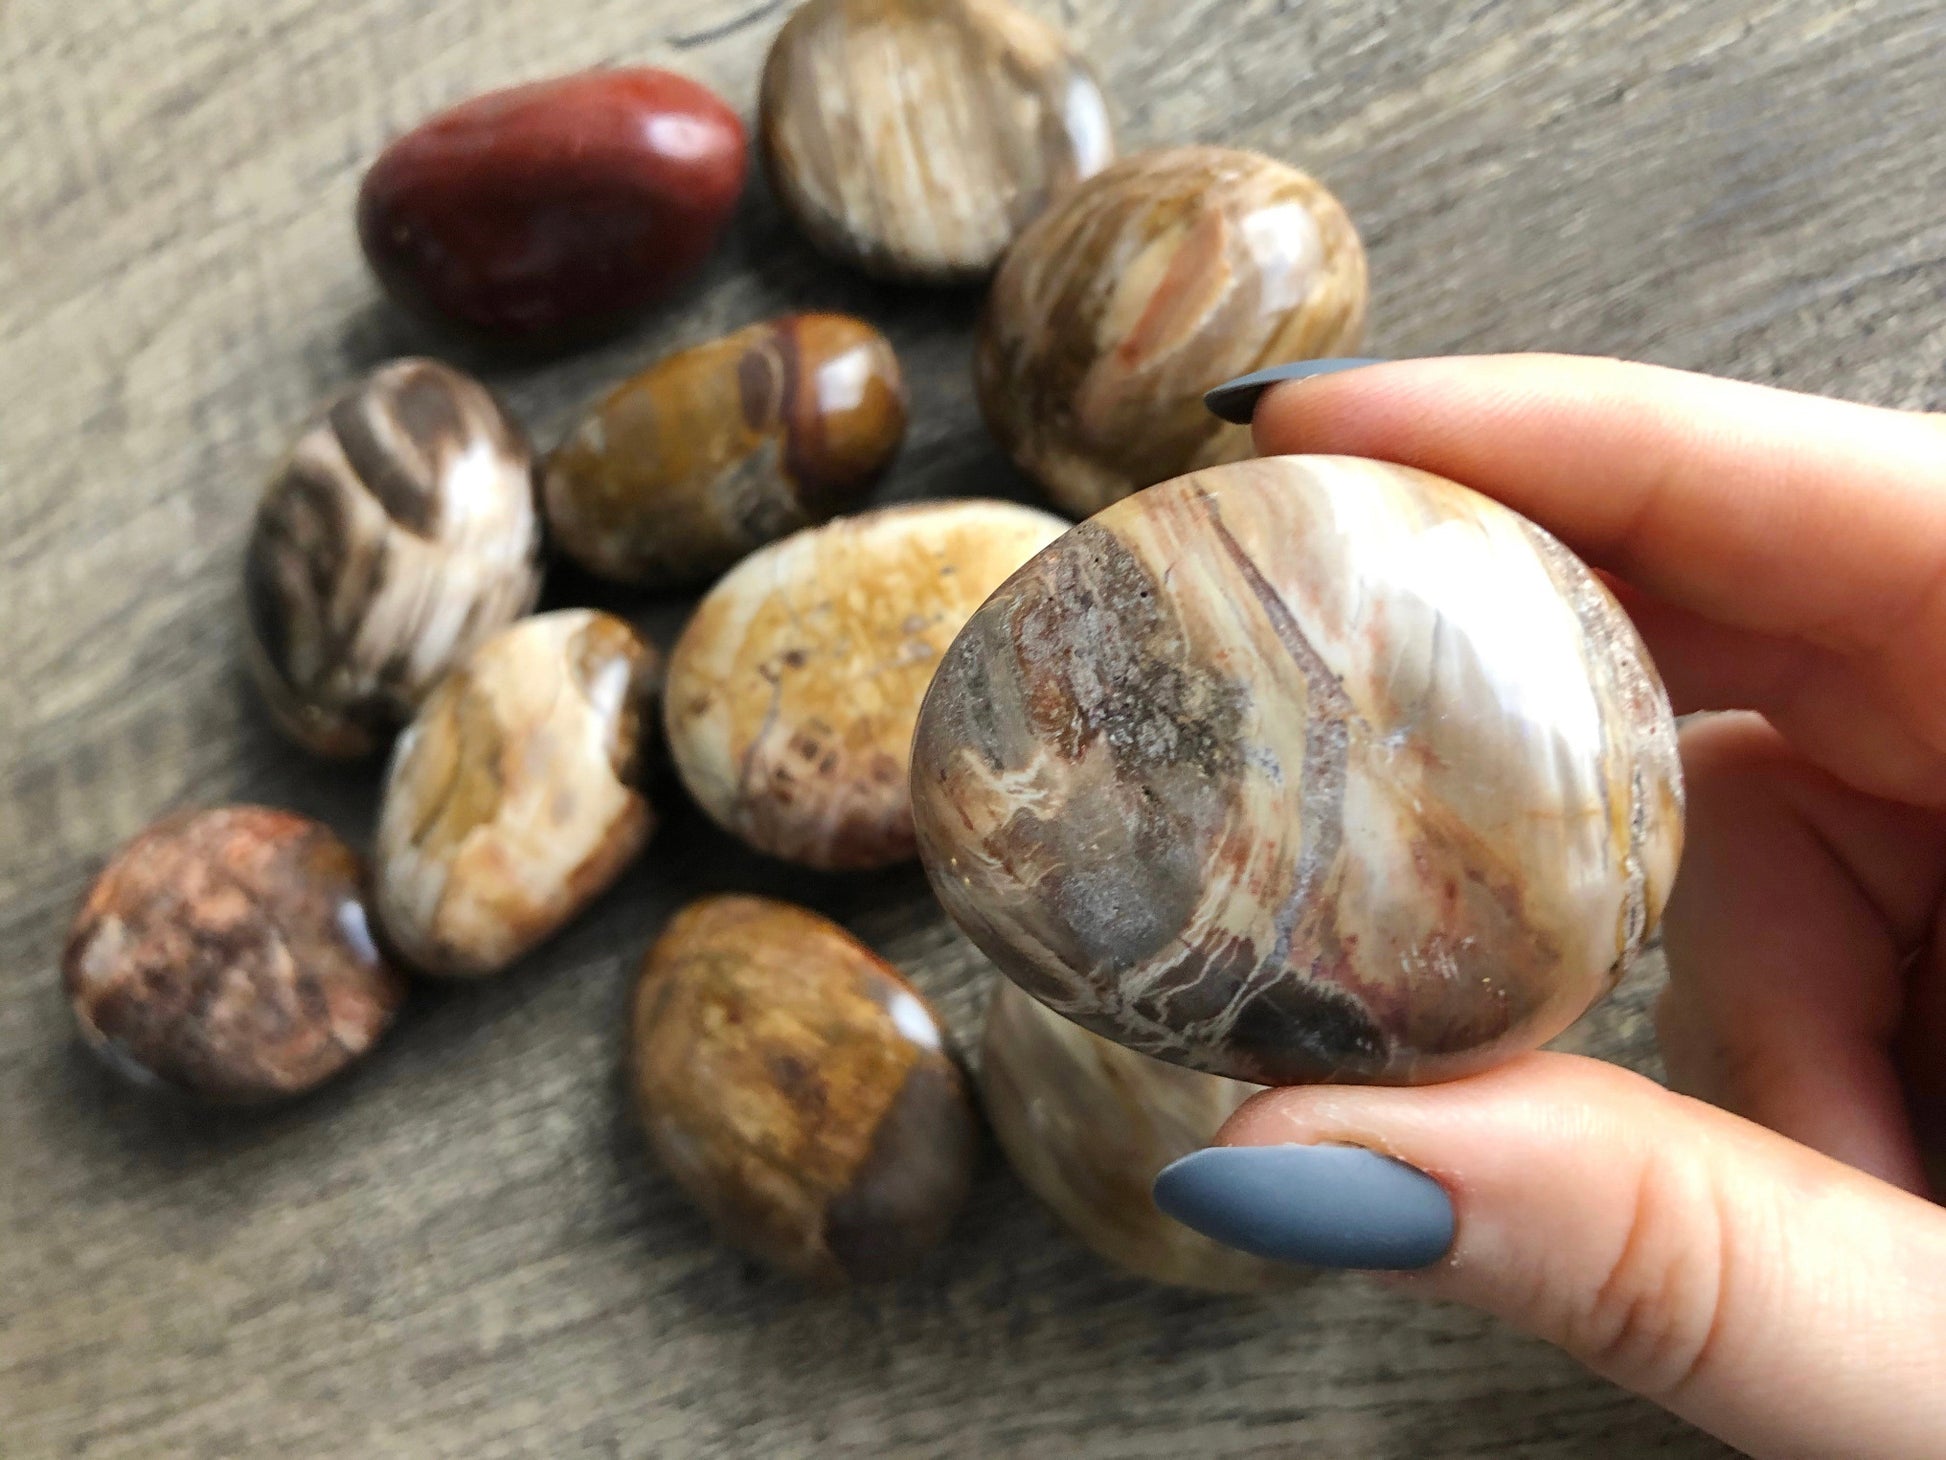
pixel 1770 1265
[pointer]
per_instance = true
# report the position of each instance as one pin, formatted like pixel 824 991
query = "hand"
pixel 1769 1265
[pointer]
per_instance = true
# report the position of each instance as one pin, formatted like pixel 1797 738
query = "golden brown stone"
pixel 226 954
pixel 914 139
pixel 513 798
pixel 1308 768
pixel 798 1089
pixel 719 449
pixel 398 533
pixel 793 689
pixel 1087 1124
pixel 1168 274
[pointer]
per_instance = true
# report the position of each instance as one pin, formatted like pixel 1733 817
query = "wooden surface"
pixel 462 1250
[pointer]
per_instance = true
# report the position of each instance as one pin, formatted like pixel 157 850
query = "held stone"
pixel 513 798
pixel 1087 1124
pixel 557 210
pixel 914 139
pixel 1304 769
pixel 717 450
pixel 227 954
pixel 1170 273
pixel 399 533
pixel 794 687
pixel 798 1089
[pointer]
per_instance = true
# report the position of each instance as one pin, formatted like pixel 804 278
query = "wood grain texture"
pixel 462 1250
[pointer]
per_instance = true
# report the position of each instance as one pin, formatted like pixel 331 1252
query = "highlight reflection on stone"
pixel 794 687
pixel 1167 274
pixel 514 798
pixel 398 533
pixel 1304 769
pixel 915 138
pixel 798 1089
pixel 726 446
pixel 1087 1124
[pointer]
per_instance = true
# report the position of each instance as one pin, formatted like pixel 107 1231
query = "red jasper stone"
pixel 557 209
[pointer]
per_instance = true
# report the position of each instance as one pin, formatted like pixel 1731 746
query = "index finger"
pixel 1760 509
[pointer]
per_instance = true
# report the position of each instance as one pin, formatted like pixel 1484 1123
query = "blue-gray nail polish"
pixel 1236 400
pixel 1326 1206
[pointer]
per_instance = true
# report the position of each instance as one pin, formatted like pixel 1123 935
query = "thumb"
pixel 1771 1295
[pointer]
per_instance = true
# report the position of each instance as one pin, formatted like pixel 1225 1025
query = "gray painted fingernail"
pixel 1236 400
pixel 1325 1206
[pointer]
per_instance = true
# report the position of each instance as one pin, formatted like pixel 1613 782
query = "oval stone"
pixel 1167 274
pixel 794 687
pixel 514 797
pixel 227 954
pixel 1087 1125
pixel 1304 769
pixel 914 139
pixel 398 533
pixel 798 1089
pixel 719 449
pixel 552 211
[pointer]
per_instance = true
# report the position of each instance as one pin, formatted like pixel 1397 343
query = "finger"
pixel 1763 1291
pixel 1788 933
pixel 1786 514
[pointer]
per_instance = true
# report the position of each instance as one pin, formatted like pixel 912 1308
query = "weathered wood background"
pixel 461 1250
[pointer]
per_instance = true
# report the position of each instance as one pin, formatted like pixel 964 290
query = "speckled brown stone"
pixel 398 533
pixel 1168 273
pixel 719 449
pixel 514 797
pixel 794 687
pixel 226 954
pixel 1303 769
pixel 799 1090
pixel 914 139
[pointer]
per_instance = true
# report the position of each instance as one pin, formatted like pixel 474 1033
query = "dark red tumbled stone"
pixel 557 209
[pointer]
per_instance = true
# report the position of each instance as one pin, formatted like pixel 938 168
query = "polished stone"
pixel 227 954
pixel 1304 769
pixel 711 453
pixel 799 1090
pixel 914 139
pixel 546 213
pixel 514 798
pixel 1168 274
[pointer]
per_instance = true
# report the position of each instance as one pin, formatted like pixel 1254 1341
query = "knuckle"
pixel 1652 1318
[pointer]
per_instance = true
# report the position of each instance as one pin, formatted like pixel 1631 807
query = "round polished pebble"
pixel 1304 769
pixel 1166 275
pixel 914 139
pixel 398 533
pixel 794 688
pixel 1087 1124
pixel 226 954
pixel 798 1089
pixel 513 798
pixel 719 449
pixel 549 212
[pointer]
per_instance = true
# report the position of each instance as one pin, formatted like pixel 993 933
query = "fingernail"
pixel 1325 1206
pixel 1236 400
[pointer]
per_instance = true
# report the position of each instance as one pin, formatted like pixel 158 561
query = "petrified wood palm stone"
pixel 799 1090
pixel 1169 273
pixel 721 448
pixel 794 687
pixel 914 139
pixel 1087 1124
pixel 399 533
pixel 514 797
pixel 1304 769
pixel 227 954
